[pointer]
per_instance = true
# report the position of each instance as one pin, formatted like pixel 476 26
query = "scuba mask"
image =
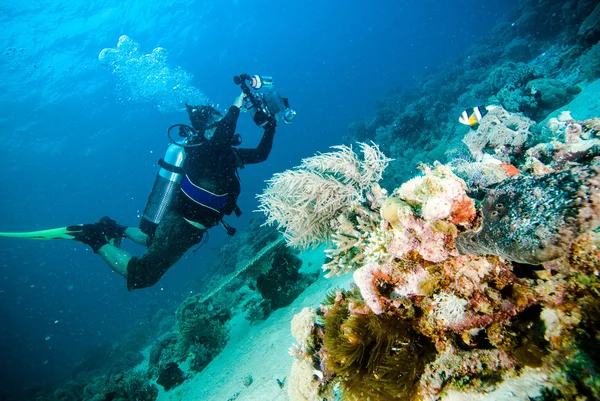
pixel 203 117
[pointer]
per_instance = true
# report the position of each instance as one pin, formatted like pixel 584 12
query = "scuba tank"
pixel 165 189
pixel 169 177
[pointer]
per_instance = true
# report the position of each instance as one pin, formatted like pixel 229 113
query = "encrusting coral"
pixel 460 286
pixel 500 132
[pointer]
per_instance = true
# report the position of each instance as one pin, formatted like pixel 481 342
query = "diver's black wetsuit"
pixel 211 168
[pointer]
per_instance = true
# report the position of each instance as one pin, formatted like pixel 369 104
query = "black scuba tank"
pixel 165 189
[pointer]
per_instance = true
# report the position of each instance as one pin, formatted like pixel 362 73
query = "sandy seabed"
pixel 259 350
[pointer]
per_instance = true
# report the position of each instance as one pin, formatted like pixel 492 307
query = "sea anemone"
pixel 377 357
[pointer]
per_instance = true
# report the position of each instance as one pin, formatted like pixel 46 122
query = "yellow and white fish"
pixel 471 117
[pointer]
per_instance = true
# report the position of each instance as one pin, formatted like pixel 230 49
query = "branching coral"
pixel 359 239
pixel 304 201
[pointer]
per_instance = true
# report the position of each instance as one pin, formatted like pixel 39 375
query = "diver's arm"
pixel 262 151
pixel 225 128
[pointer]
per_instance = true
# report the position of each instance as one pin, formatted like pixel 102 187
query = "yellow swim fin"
pixel 53 233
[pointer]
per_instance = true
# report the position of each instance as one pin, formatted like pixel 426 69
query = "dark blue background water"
pixel 75 148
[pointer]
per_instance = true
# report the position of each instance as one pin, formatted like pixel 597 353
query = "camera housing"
pixel 266 106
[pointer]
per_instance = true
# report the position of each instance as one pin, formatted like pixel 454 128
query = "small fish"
pixel 471 117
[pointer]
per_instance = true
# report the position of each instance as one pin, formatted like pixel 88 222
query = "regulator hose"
pixel 190 133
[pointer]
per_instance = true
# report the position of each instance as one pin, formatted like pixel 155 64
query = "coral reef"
pixel 112 371
pixel 269 279
pixel 260 284
pixel 485 266
pixel 467 285
pixel 549 94
pixel 532 63
pixel 132 385
pixel 511 79
pixel 202 332
pixel 590 63
pixel 589 30
pixel 358 239
pixel 163 351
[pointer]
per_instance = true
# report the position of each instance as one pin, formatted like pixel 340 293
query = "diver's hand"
pixel 271 124
pixel 239 101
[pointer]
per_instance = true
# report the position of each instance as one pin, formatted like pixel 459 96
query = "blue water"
pixel 80 140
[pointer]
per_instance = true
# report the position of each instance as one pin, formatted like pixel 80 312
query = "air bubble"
pixel 147 78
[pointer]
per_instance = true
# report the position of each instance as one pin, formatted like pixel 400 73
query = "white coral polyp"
pixel 376 249
pixel 449 309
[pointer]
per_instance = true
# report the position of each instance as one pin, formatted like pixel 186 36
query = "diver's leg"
pixel 174 236
pixel 116 258
pixel 137 236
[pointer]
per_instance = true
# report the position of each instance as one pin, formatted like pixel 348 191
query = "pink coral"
pixel 418 236
pixel 364 279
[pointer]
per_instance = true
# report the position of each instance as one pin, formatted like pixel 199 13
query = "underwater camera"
pixel 268 105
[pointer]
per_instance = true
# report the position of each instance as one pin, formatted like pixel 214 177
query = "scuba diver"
pixel 196 186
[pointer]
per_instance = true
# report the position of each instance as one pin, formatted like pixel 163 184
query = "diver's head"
pixel 203 117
